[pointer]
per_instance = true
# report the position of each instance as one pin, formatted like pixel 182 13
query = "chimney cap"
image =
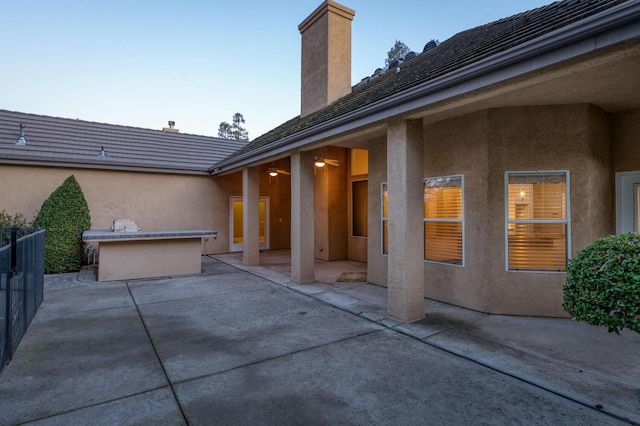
pixel 326 6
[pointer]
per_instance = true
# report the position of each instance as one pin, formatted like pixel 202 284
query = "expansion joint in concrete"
pixel 155 351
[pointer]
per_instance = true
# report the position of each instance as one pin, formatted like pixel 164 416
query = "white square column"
pixel 251 216
pixel 406 220
pixel 302 218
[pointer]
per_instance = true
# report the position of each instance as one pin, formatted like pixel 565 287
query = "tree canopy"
pixel 398 51
pixel 235 130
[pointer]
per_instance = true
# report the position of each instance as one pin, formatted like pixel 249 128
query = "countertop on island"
pixel 107 234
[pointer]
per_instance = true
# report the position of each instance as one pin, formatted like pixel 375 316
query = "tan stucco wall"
pixel 330 207
pixel 277 189
pixel 154 201
pixel 225 187
pixel 459 146
pixel 153 258
pixel 574 138
pixel 626 141
pixel 377 263
pixel 483 146
pixel 279 192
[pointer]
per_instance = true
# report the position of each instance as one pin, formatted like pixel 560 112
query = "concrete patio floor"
pixel 243 345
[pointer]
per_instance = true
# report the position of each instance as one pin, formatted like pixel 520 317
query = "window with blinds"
pixel 385 218
pixel 444 219
pixel 537 220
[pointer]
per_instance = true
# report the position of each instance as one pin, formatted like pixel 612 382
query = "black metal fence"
pixel 21 285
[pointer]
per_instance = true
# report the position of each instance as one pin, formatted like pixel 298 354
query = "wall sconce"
pixel 21 141
pixel 523 193
pixel 102 154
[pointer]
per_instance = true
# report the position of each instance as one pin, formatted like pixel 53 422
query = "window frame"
pixel 566 221
pixel 383 218
pixel 451 220
pixel 627 203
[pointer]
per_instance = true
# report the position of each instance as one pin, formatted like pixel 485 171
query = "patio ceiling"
pixel 609 80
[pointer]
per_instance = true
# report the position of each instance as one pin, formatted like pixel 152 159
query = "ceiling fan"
pixel 273 171
pixel 321 161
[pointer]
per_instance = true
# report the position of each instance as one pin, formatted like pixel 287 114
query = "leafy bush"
pixel 64 215
pixel 603 283
pixel 8 221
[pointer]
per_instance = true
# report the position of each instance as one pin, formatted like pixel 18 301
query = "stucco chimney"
pixel 326 56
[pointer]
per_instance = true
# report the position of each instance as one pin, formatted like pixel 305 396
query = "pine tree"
pixel 235 130
pixel 398 51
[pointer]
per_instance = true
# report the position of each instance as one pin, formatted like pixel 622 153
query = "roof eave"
pixel 98 164
pixel 604 29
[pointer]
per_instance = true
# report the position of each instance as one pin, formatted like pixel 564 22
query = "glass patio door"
pixel 236 223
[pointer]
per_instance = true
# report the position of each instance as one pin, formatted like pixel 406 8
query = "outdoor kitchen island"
pixel 147 254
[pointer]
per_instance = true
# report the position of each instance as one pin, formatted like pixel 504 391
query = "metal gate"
pixel 21 286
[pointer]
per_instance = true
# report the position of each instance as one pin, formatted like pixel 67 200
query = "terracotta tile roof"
pixel 77 143
pixel 461 50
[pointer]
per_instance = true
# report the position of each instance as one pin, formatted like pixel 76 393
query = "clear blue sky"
pixel 197 62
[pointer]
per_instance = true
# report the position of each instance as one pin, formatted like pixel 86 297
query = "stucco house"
pixel 467 173
pixel 160 179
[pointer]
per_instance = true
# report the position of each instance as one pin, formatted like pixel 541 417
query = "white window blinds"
pixel 443 219
pixel 537 220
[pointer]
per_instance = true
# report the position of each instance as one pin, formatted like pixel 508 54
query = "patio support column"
pixel 406 246
pixel 302 218
pixel 251 216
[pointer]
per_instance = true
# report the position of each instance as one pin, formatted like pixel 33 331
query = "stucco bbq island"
pixel 139 254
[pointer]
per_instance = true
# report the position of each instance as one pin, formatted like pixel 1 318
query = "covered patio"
pixel 338 272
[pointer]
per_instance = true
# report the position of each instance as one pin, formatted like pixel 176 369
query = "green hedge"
pixel 603 283
pixel 64 215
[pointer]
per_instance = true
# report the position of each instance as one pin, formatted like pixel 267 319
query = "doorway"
pixel 236 223
pixel 627 202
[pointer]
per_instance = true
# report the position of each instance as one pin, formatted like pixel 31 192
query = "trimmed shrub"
pixel 603 283
pixel 64 215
